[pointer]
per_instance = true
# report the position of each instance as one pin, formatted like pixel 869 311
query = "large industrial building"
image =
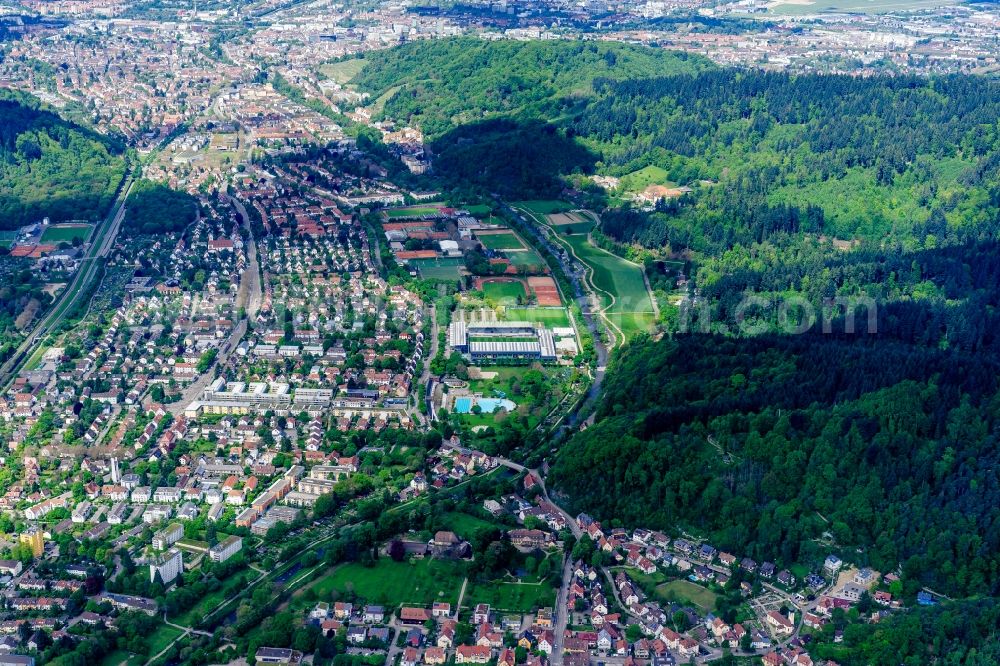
pixel 502 340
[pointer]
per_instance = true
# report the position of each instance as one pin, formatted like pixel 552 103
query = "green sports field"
pixel 444 268
pixel 551 317
pixel 501 292
pixel 525 258
pixel 412 211
pixel 478 210
pixel 65 233
pixel 507 241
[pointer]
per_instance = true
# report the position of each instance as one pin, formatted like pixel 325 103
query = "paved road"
pixel 425 376
pixel 250 297
pixel 104 238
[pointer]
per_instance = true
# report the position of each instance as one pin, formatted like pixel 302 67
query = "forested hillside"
pixel 496 113
pixel 442 84
pixel 52 168
pixel 880 445
pixel 766 154
pixel 888 440
pixel 912 160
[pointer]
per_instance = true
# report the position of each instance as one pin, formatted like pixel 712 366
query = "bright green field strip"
pixel 395 583
pixel 682 590
pixel 552 317
pixel 526 258
pixel 506 241
pixel 504 291
pixel 582 227
pixel 65 234
pixel 440 273
pixel 412 211
pixel 614 275
pixel 510 596
pixel 543 207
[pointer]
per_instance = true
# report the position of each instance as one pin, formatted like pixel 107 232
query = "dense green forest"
pixel 154 208
pixel 905 159
pixel 445 83
pixel 52 168
pixel 959 633
pixel 22 297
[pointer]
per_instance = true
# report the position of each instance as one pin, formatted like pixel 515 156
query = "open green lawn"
pixel 66 234
pixel 504 291
pixel 412 211
pixel 394 583
pixel 684 590
pixel 632 309
pixel 509 596
pixel 506 241
pixel 161 637
pixel 551 317
pixel 465 525
pixel 343 71
pixel 543 207
pixel 643 178
pixel 475 420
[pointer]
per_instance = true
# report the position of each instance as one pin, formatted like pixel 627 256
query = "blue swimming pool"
pixel 490 405
pixel 464 405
